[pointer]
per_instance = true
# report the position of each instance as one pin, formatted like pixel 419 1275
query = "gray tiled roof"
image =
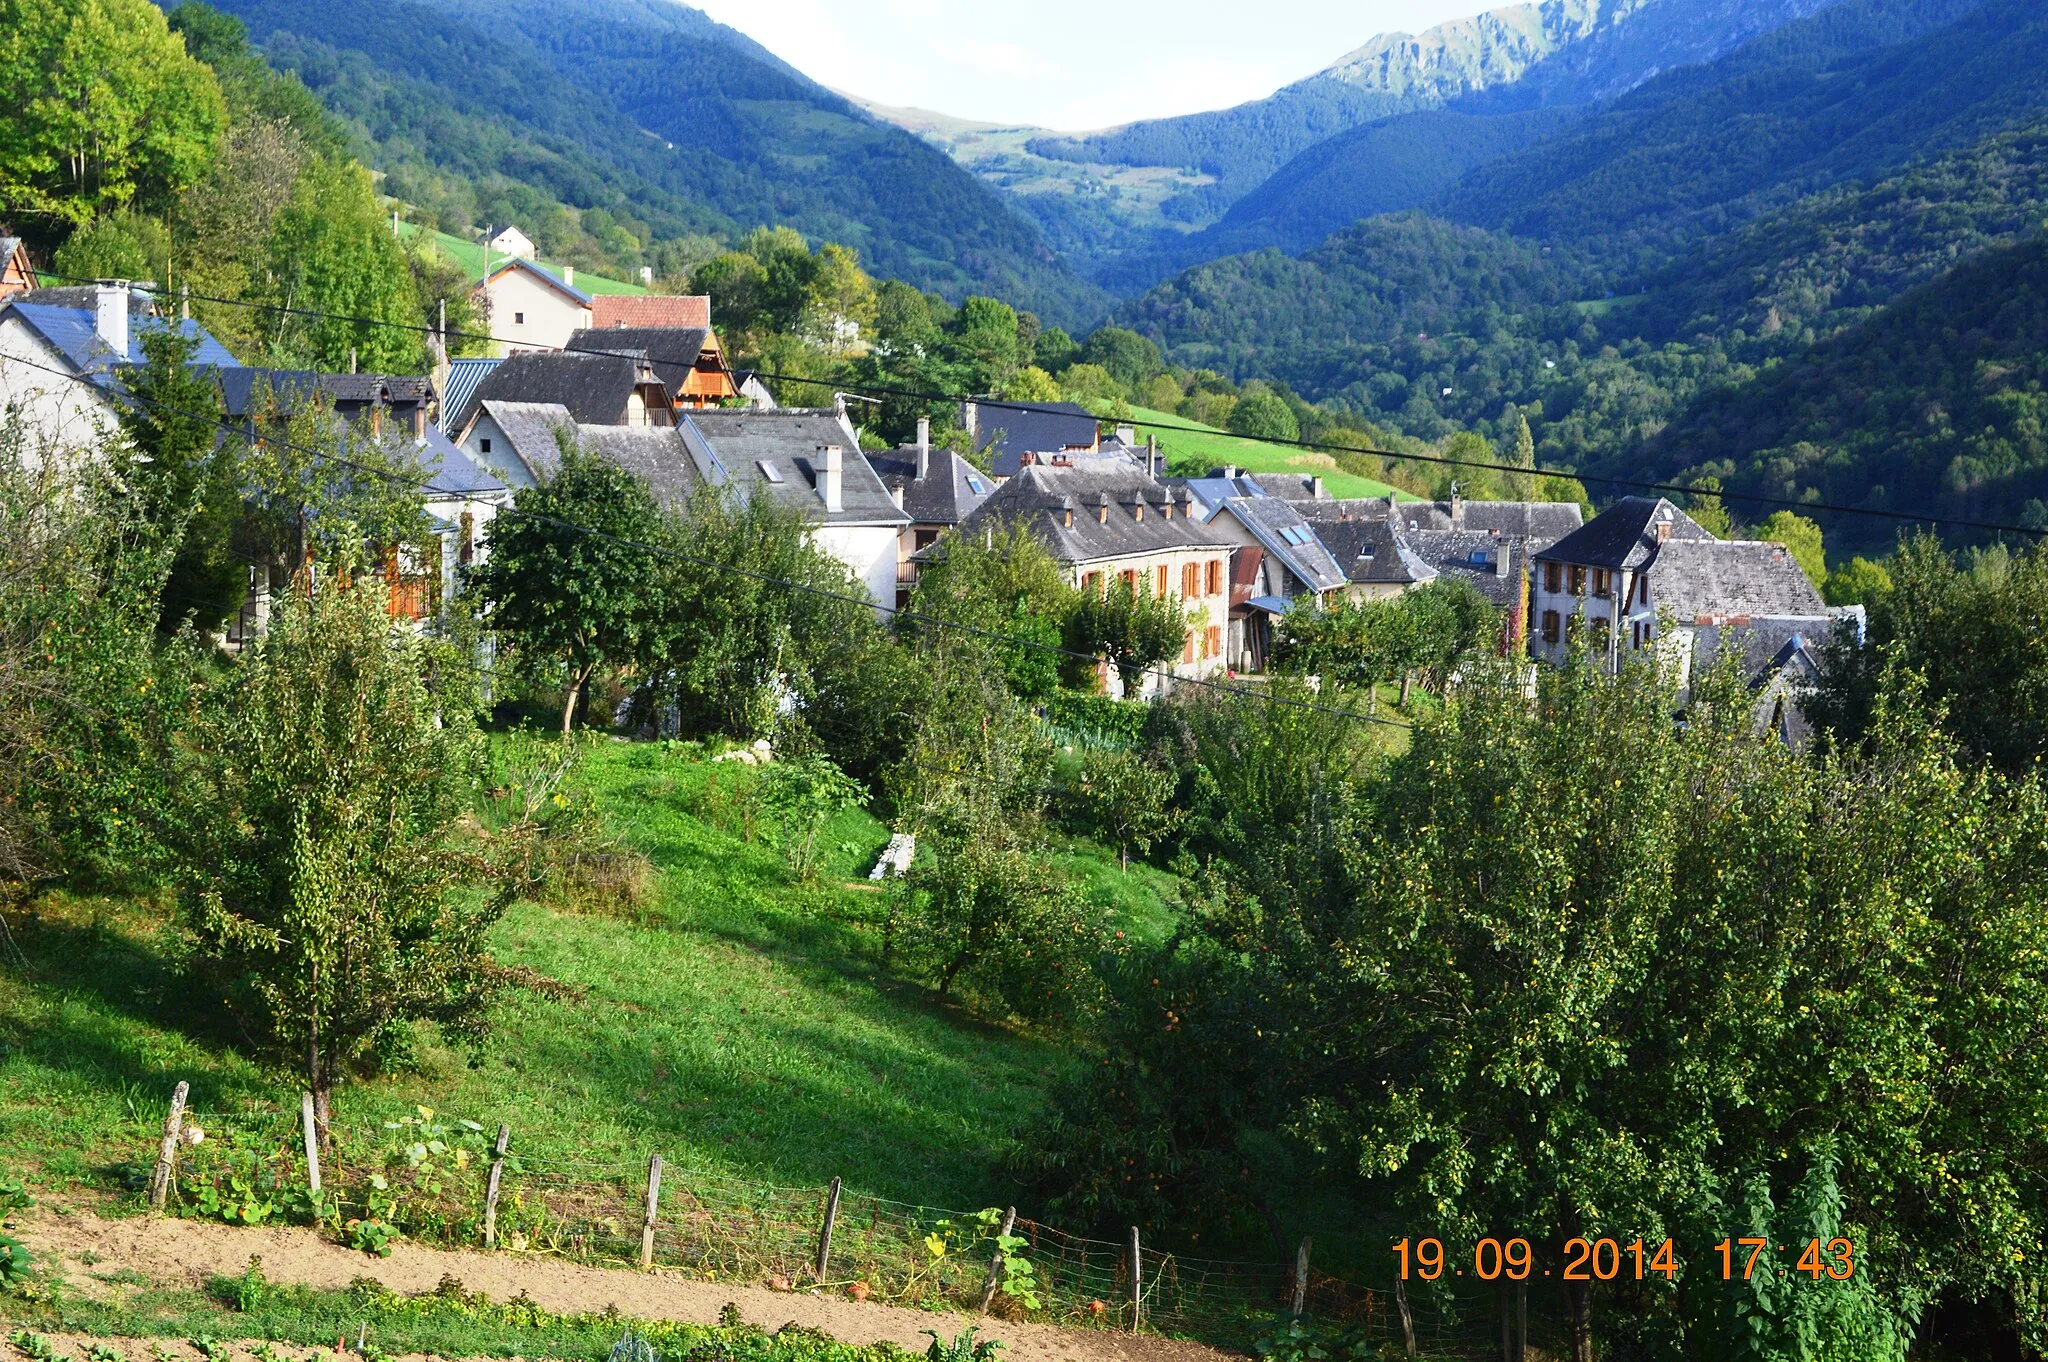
pixel 1281 531
pixel 85 297
pixel 946 495
pixel 664 346
pixel 1373 552
pixel 1006 433
pixel 1624 535
pixel 734 444
pixel 1769 644
pixel 541 272
pixel 290 387
pixel 595 388
pixel 452 473
pixel 1692 578
pixel 1291 486
pixel 1473 557
pixel 533 430
pixel 72 333
pixel 1103 499
pixel 657 455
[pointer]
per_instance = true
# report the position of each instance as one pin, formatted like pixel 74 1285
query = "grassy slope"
pixel 470 256
pixel 1192 449
pixel 744 1027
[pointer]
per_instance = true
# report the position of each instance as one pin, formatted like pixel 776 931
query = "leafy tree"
pixel 571 581
pixel 1054 350
pixel 105 109
pixel 320 871
pixel 1126 798
pixel 1802 537
pixel 332 252
pixel 316 487
pixel 1086 383
pixel 1857 582
pixel 1032 384
pixel 839 301
pixel 737 284
pixel 800 796
pixel 1006 585
pixel 1128 357
pixel 186 478
pixel 122 245
pixel 986 332
pixel 1266 417
pixel 1130 628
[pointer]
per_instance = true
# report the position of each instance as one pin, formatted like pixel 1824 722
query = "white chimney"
pixel 110 317
pixel 569 275
pixel 924 447
pixel 647 275
pixel 829 479
pixel 1127 435
pixel 969 414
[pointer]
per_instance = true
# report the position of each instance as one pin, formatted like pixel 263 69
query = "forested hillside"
pixel 1935 404
pixel 668 125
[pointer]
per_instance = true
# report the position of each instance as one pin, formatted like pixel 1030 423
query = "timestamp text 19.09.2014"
pixel 1605 1260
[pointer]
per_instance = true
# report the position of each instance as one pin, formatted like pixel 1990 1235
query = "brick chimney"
pixel 829 486
pixel 110 317
pixel 924 447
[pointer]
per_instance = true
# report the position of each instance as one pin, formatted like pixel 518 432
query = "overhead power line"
pixel 770 579
pixel 1314 446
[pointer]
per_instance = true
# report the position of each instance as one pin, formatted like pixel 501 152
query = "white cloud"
pixel 1069 64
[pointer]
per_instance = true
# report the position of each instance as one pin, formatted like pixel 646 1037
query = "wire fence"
pixel 431 1179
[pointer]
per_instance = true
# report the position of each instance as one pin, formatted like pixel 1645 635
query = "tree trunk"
pixel 1407 685
pixel 575 692
pixel 1578 1303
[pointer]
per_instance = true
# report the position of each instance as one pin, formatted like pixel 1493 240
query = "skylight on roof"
pixel 977 484
pixel 768 470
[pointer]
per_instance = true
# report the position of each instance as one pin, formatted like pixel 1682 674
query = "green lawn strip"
pixel 470 255
pixel 448 1323
pixel 1192 449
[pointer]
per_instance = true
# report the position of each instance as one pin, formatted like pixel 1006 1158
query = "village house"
pixel 688 359
pixel 1645 575
pixel 936 488
pixel 532 308
pixel 1008 437
pixel 513 242
pixel 1108 523
pixel 597 390
pixel 69 346
pixel 1277 559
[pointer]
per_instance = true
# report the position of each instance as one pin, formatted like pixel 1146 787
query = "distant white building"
pixel 532 308
pixel 512 242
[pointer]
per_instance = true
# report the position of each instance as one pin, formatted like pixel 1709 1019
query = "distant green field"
pixel 1192 448
pixel 470 255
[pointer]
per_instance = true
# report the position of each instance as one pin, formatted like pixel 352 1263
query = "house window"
pixel 1601 578
pixel 1212 642
pixel 487 444
pixel 1643 589
pixel 1550 626
pixel 1187 647
pixel 1190 580
pixel 1162 581
pixel 1553 577
pixel 519 319
pixel 1578 581
pixel 1093 582
pixel 1130 576
pixel 926 538
pixel 1215 577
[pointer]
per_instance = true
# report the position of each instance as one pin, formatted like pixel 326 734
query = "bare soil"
pixel 190 1252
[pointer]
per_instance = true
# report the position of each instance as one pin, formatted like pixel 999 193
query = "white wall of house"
pixel 529 314
pixel 1205 649
pixel 1581 593
pixel 487 446
pixel 869 551
pixel 63 416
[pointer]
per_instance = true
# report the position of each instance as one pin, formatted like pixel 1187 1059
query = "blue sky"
pixel 1070 64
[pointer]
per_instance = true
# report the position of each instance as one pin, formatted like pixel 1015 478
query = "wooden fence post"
pixel 653 1200
pixel 1301 1276
pixel 1137 1282
pixel 312 1143
pixel 995 1264
pixel 825 1230
pixel 1407 1320
pixel 491 1187
pixel 167 1152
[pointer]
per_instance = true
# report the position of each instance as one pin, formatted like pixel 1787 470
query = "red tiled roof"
pixel 608 310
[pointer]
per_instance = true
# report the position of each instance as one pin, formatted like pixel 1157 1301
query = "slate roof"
pixel 531 430
pixel 546 276
pixel 1007 433
pixel 1625 535
pixel 85 297
pixel 1770 645
pixel 1452 554
pixel 1211 492
pixel 1281 531
pixel 1373 552
pixel 595 388
pixel 733 445
pixel 1040 496
pixel 657 455
pixel 1291 486
pixel 71 333
pixel 949 491
pixel 652 309
pixel 459 392
pixel 452 473
pixel 663 346
pixel 240 386
pixel 1692 578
